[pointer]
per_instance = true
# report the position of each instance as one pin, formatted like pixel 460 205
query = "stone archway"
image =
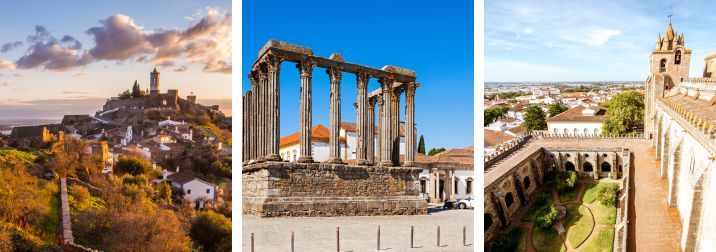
pixel 569 166
pixel 527 182
pixel 606 167
pixel 488 221
pixel 587 167
pixel 509 199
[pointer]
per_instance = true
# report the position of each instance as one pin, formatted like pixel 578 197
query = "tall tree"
pixel 535 118
pixel 556 108
pixel 136 91
pixel 492 114
pixel 625 113
pixel 421 145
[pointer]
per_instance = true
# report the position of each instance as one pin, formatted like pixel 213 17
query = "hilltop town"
pixel 144 153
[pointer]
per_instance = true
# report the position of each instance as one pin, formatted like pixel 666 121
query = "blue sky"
pixel 435 40
pixel 563 40
pixel 52 63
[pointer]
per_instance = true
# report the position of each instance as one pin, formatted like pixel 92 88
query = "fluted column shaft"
pixel 334 146
pixel 395 127
pixel 305 67
pixel 410 124
pixel 379 140
pixel 386 124
pixel 261 116
pixel 246 124
pixel 361 118
pixel 253 125
pixel 370 125
pixel 273 109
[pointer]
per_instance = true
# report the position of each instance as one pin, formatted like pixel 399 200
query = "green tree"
pixel 165 193
pixel 131 165
pixel 535 118
pixel 492 114
pixel 125 95
pixel 556 108
pixel 212 231
pixel 434 151
pixel 625 114
pixel 421 145
pixel 135 90
pixel 565 181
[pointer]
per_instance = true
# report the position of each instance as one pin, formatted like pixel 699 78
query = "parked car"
pixel 466 203
pixel 448 204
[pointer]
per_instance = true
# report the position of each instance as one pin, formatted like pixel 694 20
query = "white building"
pixel 452 166
pixel 195 190
pixel 578 121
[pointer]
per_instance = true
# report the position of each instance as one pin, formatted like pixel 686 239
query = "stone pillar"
pixel 261 115
pixel 395 127
pixel 273 112
pixel 453 188
pixel 378 145
pixel 448 185
pixel 246 124
pixel 691 232
pixel 254 114
pixel 305 67
pixel 434 185
pixel 334 146
pixel 361 118
pixel 410 124
pixel 386 144
pixel 370 147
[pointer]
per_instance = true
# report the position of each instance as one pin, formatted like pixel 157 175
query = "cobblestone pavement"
pixel 359 233
pixel 653 225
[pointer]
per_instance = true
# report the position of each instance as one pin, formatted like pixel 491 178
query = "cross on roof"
pixel 670 8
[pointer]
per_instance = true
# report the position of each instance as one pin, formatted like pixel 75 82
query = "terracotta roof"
pixel 183 178
pixel 573 94
pixel 493 138
pixel 507 120
pixel 455 156
pixel 575 114
pixel 318 133
pixel 518 129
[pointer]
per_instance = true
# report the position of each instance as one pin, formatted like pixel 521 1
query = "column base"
pixel 273 157
pixel 334 161
pixel 362 162
pixel 386 163
pixel 409 163
pixel 260 159
pixel 305 159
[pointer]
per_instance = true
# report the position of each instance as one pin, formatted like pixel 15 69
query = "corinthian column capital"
pixel 410 88
pixel 362 78
pixel 305 67
pixel 272 62
pixel 335 74
pixel 386 83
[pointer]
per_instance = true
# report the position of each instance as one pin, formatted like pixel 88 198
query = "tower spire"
pixel 670 15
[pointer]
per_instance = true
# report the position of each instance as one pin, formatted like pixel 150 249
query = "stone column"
pixel 447 185
pixel 431 186
pixel 370 150
pixel 410 124
pixel 386 144
pixel 378 145
pixel 453 188
pixel 334 146
pixel 395 127
pixel 246 124
pixel 361 118
pixel 273 113
pixel 254 113
pixel 305 67
pixel 261 116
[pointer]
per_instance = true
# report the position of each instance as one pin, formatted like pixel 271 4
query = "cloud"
pixel 50 108
pixel 75 93
pixel 21 75
pixel 181 69
pixel 6 83
pixel 10 45
pixel 52 54
pixel 217 67
pixel 5 64
pixel 80 74
pixel 118 39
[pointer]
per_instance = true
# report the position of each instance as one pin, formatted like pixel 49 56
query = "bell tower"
pixel 154 88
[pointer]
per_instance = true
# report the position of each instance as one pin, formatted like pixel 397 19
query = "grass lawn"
pixel 522 241
pixel 604 214
pixel 571 194
pixel 578 223
pixel 25 157
pixel 603 242
pixel 547 240
pixel 51 222
pixel 592 190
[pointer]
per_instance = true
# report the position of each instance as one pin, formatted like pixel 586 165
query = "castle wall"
pixel 126 103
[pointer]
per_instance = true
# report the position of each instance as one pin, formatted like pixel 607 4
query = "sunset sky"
pixel 67 58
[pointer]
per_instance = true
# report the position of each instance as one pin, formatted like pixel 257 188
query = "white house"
pixel 195 190
pixel 578 121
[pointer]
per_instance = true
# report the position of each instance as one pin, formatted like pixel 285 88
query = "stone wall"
pixel 315 189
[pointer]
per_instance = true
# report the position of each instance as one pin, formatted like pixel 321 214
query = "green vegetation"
pixel 23 156
pixel 434 151
pixel 222 135
pixel 625 113
pixel 542 212
pixel 579 224
pixel 132 165
pixel 125 95
pixel 212 231
pixel 604 214
pixel 608 195
pixel 556 108
pixel 137 91
pixel 603 242
pixel 421 145
pixel 507 95
pixel 547 240
pixel 494 113
pixel 509 241
pixel 535 119
pixel 569 195
pixel 565 181
pixel 80 200
pixel 580 88
pixel 592 190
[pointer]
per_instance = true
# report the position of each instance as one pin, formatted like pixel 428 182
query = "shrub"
pixel 212 231
pixel 545 216
pixel 132 165
pixel 139 180
pixel 608 195
pixel 507 241
pixel 565 181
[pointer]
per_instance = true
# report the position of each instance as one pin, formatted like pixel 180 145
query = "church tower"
pixel 668 66
pixel 154 88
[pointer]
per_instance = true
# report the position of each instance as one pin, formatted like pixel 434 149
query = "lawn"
pixel 604 214
pixel 25 157
pixel 592 190
pixel 547 240
pixel 571 194
pixel 578 223
pixel 51 221
pixel 603 242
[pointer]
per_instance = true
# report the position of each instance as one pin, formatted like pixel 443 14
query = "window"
pixel 677 58
pixel 455 191
pixel 587 166
pixel 527 182
pixel 423 186
pixel 468 187
pixel 606 167
pixel 208 191
pixel 488 221
pixel 662 66
pixel 188 191
pixel 509 199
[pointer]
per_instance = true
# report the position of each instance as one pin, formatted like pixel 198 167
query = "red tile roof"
pixel 575 114
pixel 493 138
